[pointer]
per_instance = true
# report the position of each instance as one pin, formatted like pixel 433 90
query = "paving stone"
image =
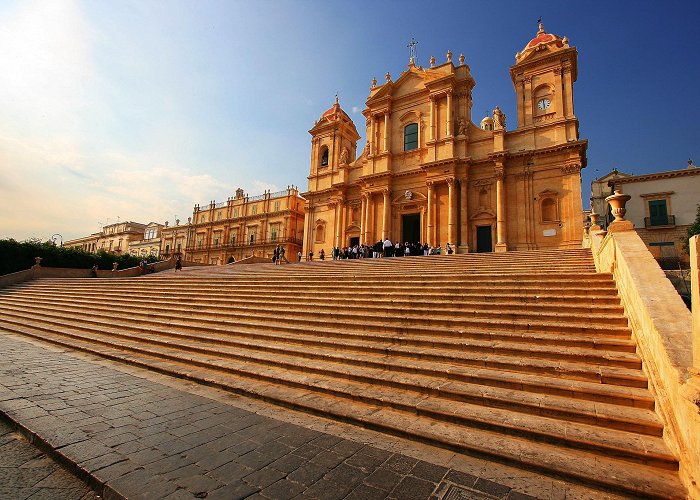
pixel 199 484
pixel 401 464
pixel 288 463
pixel 366 463
pixel 366 492
pixel 264 477
pixel 307 474
pixel 328 459
pixel 428 471
pixel 383 479
pixel 233 491
pixel 327 490
pixel 412 488
pixel 491 487
pixel 230 471
pixel 346 474
pixel 515 495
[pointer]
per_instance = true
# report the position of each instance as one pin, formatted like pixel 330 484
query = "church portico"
pixel 427 168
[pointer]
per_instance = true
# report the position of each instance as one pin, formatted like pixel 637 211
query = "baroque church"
pixel 427 173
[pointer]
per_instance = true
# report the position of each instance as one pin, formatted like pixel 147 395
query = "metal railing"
pixel 669 220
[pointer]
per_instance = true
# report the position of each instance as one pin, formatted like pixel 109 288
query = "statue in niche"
pixel 461 127
pixel 499 119
pixel 344 154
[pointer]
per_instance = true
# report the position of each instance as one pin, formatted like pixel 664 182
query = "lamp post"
pixel 53 239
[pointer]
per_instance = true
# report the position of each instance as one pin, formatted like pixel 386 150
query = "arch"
pixel 410 136
pixel 549 207
pixel 543 94
pixel 324 156
pixel 320 231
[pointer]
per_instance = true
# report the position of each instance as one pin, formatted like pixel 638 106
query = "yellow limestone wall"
pixel 662 327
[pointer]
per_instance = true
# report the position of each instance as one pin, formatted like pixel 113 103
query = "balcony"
pixel 248 244
pixel 659 222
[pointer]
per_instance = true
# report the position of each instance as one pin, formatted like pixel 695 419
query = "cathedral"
pixel 427 173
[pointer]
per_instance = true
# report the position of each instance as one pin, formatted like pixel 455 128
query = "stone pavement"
pixel 26 473
pixel 132 434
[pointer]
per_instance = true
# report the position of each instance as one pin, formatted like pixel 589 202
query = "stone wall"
pixel 662 327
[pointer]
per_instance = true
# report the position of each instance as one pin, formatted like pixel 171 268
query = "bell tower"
pixel 333 145
pixel 543 76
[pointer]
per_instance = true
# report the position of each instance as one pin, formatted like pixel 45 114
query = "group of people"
pixel 278 255
pixel 382 249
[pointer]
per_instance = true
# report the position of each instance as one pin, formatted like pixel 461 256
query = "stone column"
pixel 363 212
pixel 451 212
pixel 500 208
pixel 432 119
pixel 449 114
pixel 341 223
pixel 431 235
pixel 371 133
pixel 386 221
pixel 368 211
pixel 386 132
pixel 464 215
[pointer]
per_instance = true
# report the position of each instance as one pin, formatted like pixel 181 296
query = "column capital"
pixel 499 171
pixel 572 168
pixel 450 181
pixel 429 184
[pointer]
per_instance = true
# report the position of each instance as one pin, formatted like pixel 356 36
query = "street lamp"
pixel 53 238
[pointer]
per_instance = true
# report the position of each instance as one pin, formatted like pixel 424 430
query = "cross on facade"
pixel 412 50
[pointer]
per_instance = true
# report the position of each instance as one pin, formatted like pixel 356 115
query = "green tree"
pixel 693 229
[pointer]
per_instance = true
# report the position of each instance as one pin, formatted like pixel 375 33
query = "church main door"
pixel 410 228
pixel 484 242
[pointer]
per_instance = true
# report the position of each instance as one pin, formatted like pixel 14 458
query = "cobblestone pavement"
pixel 26 473
pixel 138 438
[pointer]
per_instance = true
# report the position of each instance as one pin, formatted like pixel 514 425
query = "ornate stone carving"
pixel 344 154
pixel 499 171
pixel 432 61
pixel 482 182
pixel 499 119
pixel 450 181
pixel 408 195
pixel 573 168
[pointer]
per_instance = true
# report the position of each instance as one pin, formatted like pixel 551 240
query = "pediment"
pixel 484 213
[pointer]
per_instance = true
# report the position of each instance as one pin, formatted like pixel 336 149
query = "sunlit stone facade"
pixel 427 173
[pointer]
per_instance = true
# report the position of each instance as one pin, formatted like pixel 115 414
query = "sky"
pixel 137 110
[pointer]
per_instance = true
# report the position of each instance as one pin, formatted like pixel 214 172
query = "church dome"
pixel 335 112
pixel 487 123
pixel 541 40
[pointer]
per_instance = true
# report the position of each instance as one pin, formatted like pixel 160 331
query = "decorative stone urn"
pixel 617 203
pixel 594 218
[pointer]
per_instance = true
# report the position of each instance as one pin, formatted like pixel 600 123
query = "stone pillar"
pixel 341 223
pixel 432 119
pixel 451 212
pixel 368 211
pixel 386 221
pixel 386 132
pixel 431 235
pixel 363 212
pixel 449 114
pixel 464 215
pixel 694 245
pixel 336 223
pixel 500 208
pixel 372 138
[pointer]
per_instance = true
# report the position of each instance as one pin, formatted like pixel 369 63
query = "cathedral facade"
pixel 428 174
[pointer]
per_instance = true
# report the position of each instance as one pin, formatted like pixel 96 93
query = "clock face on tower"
pixel 543 104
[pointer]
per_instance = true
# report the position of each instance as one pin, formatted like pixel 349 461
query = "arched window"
pixel 410 137
pixel 324 157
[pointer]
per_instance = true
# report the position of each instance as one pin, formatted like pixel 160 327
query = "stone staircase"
pixel 523 358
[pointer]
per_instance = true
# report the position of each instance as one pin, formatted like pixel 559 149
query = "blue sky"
pixel 137 110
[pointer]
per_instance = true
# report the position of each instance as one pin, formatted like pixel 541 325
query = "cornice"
pixel 687 172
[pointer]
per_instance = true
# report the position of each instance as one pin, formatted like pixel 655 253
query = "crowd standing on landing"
pixel 381 249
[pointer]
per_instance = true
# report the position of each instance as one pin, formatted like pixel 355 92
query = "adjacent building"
pixel 662 206
pixel 149 246
pixel 427 173
pixel 601 189
pixel 114 238
pixel 245 226
pixel 173 240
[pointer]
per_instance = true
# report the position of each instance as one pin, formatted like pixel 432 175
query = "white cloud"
pixel 355 109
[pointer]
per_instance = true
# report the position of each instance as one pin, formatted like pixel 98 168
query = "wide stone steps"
pixel 577 363
pixel 601 461
pixel 426 311
pixel 357 321
pixel 355 385
pixel 524 358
